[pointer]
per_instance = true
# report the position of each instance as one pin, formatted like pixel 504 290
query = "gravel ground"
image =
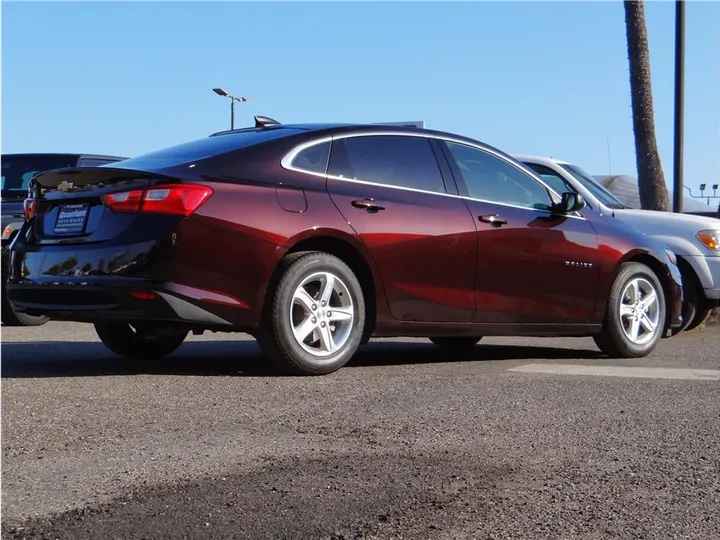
pixel 405 443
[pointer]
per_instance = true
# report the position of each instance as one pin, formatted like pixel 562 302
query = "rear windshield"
pixel 205 148
pixel 18 170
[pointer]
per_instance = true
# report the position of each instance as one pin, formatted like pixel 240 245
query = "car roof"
pixel 542 160
pixel 329 129
pixel 81 154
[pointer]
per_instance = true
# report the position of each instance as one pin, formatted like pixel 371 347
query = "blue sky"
pixel 538 78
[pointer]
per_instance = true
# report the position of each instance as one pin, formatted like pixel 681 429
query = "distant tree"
pixel 651 181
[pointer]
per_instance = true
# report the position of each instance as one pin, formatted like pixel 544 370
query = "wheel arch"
pixel 352 253
pixel 659 269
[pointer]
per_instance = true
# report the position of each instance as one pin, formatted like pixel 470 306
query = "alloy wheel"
pixel 322 314
pixel 639 311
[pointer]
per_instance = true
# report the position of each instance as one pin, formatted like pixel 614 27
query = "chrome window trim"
pixel 286 163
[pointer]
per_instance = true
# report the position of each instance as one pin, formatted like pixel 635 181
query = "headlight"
pixel 671 256
pixel 710 239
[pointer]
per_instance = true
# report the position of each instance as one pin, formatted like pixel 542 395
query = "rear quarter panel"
pixel 238 237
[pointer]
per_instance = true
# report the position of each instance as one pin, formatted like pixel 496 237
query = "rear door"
pixel 534 266
pixel 391 190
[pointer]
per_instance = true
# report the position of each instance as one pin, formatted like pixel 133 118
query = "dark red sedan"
pixel 313 238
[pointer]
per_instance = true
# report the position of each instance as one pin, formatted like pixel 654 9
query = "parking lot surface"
pixel 519 438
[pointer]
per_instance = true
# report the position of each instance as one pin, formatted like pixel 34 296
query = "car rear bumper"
pixel 112 299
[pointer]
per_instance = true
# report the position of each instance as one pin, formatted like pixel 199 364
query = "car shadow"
pixel 46 359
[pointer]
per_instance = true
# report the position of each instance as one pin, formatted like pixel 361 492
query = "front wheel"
pixel 635 316
pixel 313 322
pixel 140 341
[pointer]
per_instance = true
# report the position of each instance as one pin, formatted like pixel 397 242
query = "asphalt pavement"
pixel 519 438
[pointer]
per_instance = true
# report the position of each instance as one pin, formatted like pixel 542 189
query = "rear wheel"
pixel 635 316
pixel 314 320
pixel 140 341
pixel 455 343
pixel 10 317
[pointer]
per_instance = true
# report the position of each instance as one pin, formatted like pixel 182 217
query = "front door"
pixel 422 241
pixel 534 266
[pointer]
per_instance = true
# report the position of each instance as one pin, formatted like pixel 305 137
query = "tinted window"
pixel 607 198
pixel 313 159
pixel 387 159
pixel 551 178
pixel 204 148
pixel 491 178
pixel 18 170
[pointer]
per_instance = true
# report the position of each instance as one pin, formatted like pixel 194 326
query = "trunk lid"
pixel 70 208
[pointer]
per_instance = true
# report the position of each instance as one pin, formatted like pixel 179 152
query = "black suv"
pixel 17 171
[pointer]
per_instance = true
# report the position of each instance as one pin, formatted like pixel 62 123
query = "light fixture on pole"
pixel 233 99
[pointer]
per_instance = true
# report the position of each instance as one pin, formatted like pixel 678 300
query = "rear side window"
pixel 392 160
pixel 313 159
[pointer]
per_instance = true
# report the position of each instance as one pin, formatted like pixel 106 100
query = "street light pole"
pixel 233 99
pixel 679 105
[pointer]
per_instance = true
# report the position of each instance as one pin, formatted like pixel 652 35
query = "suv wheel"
pixel 635 316
pixel 313 322
pixel 140 341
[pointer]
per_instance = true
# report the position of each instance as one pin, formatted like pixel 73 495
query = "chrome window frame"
pixel 286 163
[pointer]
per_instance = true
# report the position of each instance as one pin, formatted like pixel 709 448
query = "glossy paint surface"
pixel 434 267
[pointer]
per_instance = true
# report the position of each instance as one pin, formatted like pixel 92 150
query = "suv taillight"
pixel 29 208
pixel 175 199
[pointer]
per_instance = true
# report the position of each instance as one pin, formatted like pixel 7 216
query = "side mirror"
pixel 571 202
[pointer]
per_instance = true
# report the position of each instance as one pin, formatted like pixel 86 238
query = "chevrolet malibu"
pixel 315 238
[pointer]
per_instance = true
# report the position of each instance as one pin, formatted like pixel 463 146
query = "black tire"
pixel 455 343
pixel 690 305
pixel 10 317
pixel 140 342
pixel 612 339
pixel 276 338
pixel 700 316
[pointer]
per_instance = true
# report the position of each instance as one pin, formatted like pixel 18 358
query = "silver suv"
pixel 695 240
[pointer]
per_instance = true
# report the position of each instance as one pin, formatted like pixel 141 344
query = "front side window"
pixel 603 195
pixel 392 160
pixel 551 178
pixel 490 178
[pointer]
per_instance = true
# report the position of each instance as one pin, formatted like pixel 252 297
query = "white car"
pixel 695 240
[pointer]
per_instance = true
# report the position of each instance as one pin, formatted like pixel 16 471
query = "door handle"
pixel 493 219
pixel 371 205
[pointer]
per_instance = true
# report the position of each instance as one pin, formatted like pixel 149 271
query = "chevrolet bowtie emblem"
pixel 65 185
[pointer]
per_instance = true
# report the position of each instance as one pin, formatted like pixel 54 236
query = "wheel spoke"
pixel 647 323
pixel 626 311
pixel 634 329
pixel 304 299
pixel 304 329
pixel 634 291
pixel 650 299
pixel 326 338
pixel 341 314
pixel 327 289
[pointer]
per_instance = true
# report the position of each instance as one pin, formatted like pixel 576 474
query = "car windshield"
pixel 602 194
pixel 19 169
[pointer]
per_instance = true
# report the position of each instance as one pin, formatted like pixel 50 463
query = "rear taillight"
pixel 29 208
pixel 176 199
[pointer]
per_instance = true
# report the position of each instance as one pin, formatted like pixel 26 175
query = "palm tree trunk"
pixel 651 181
